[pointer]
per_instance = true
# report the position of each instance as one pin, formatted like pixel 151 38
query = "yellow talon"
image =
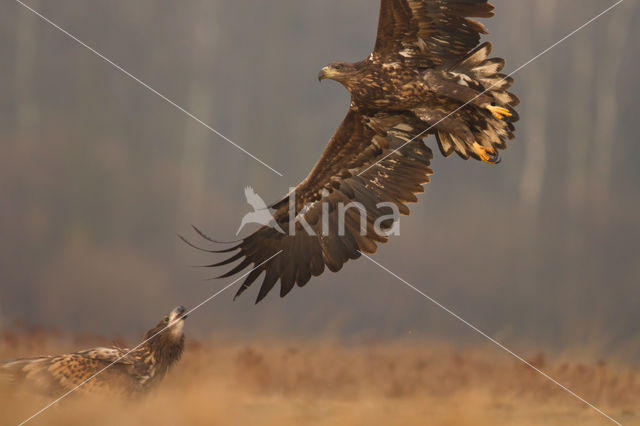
pixel 488 155
pixel 499 112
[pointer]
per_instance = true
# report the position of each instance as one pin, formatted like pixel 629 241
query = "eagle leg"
pixel 499 112
pixel 488 155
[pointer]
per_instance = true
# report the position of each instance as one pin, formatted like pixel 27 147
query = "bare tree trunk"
pixel 25 69
pixel 579 144
pixel 536 147
pixel 536 128
pixel 580 124
pixel 199 101
pixel 533 134
pixel 606 99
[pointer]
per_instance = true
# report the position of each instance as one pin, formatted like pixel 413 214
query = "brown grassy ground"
pixel 274 382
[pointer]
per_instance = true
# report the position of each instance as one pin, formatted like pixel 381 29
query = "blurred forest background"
pixel 98 175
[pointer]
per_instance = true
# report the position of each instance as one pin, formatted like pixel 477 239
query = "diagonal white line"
pixel 494 341
pixel 145 85
pixel 46 407
pixel 571 34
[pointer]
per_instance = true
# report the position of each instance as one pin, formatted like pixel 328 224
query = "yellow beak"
pixel 325 73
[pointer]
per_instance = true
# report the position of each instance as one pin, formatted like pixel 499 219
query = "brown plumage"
pixel 131 373
pixel 426 75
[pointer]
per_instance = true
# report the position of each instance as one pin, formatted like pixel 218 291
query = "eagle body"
pixel 428 74
pixel 445 98
pixel 107 371
pixel 386 88
pixel 395 87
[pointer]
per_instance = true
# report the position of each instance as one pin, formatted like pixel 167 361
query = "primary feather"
pixel 426 75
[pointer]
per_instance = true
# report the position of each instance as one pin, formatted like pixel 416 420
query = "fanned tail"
pixel 488 129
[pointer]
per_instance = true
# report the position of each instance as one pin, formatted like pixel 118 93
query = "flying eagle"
pixel 427 74
pixel 132 372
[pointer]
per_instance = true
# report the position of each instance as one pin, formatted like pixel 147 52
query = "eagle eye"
pixel 338 66
pixel 165 319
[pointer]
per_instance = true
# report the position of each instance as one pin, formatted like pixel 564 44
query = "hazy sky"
pixel 98 175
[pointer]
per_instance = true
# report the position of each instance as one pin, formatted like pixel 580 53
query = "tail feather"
pixel 486 71
pixel 34 371
pixel 472 125
pixel 12 369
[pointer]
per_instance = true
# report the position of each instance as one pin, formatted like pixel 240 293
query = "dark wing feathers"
pixel 369 159
pixel 347 172
pixel 429 33
pixel 394 23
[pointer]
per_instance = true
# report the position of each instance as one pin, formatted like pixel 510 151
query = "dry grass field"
pixel 223 382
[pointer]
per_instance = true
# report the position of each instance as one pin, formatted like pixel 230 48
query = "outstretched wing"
pixel 56 374
pixel 429 33
pixel 254 199
pixel 358 165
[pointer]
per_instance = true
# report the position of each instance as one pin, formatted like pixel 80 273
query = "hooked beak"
pixel 179 312
pixel 324 73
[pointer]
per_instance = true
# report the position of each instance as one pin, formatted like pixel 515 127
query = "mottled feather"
pixel 107 371
pixel 426 75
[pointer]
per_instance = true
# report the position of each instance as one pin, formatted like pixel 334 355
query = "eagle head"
pixel 173 322
pixel 164 343
pixel 338 71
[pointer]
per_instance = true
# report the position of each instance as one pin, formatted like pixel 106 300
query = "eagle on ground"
pixel 427 74
pixel 133 371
